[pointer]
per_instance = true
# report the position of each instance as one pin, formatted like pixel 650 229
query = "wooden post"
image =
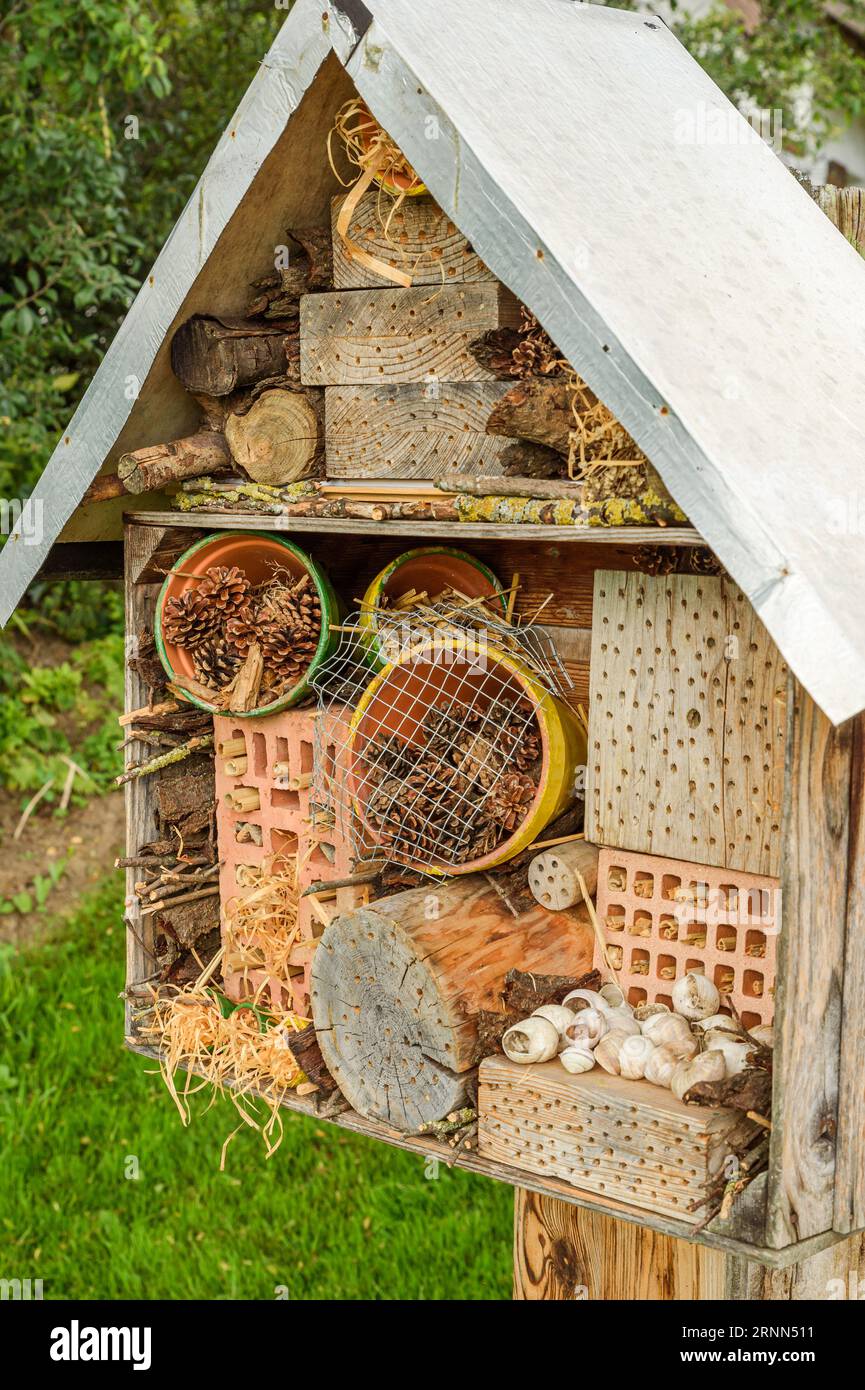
pixel 850 1159
pixel 564 1252
pixel 567 1252
pixel 815 834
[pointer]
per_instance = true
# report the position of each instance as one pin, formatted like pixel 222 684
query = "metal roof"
pixel 605 178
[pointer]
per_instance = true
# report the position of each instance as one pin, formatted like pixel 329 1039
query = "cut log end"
pixel 279 439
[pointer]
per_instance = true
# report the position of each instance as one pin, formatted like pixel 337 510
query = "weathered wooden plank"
pixel 687 722
pixel 354 337
pixel 417 238
pixel 139 794
pixel 850 1157
pixel 426 1148
pixel 800 1195
pixel 564 1252
pixel 412 431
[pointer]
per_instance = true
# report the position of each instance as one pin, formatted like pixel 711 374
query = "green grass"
pixel 330 1216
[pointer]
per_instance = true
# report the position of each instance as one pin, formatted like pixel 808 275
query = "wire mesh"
pixel 437 762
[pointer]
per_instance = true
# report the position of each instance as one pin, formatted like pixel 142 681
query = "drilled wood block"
pixel 626 1140
pixel 416 238
pixel 687 722
pixel 416 431
pixel 364 337
pixel 655 913
pixel 284 821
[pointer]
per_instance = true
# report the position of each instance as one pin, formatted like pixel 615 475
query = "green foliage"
pixel 84 208
pixel 797 60
pixel 330 1216
pixel 34 898
pixel 66 709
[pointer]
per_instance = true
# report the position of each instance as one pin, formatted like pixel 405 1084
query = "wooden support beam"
pixel 412 431
pixel 417 238
pixel 566 1253
pixel 352 337
pixel 850 1160
pixel 815 836
pixel 562 1252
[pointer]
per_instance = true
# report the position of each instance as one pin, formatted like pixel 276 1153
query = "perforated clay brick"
pixel 663 917
pixel 283 819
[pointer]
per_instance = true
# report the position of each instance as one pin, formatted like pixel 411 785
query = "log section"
pixel 417 238
pixel 395 986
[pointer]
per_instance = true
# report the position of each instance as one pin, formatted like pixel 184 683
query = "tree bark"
pixel 149 469
pixel 537 410
pixel 280 438
pixel 511 487
pixel 215 356
pixel 396 989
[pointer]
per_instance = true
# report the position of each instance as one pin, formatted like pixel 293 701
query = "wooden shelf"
pixel 629 536
pixel 549 1187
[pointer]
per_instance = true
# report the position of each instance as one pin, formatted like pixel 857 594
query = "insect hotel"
pixel 486 452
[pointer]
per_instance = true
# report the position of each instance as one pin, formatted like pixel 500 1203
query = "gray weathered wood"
pixel 417 238
pixel 687 722
pixel 139 796
pixel 427 1148
pixel 800 1195
pixel 359 337
pixel 412 431
pixel 615 536
pixel 850 1159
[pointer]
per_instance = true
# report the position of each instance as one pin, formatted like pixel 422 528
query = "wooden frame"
pixel 814 1193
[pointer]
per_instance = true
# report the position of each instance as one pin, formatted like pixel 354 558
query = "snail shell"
pixel 533 1040
pixel 613 997
pixel 672 1031
pixel 716 1021
pixel 694 996
pixel 634 1053
pixel 709 1066
pixel 660 1066
pixel 734 1050
pixel 765 1034
pixel 608 1051
pixel 558 1015
pixel 586 1028
pixel 644 1011
pixel 577 1059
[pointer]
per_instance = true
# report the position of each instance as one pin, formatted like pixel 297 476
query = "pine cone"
pixel 186 622
pixel 216 662
pixel 510 799
pixel 478 757
pixel 241 630
pixel 225 589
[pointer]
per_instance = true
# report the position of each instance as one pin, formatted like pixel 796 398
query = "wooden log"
pixel 538 410
pixel 395 988
pixel 418 238
pixel 553 874
pixel 309 268
pixel 484 486
pixel 280 438
pixel 215 356
pixel 152 468
pixel 354 337
pixel 412 431
pixel 103 489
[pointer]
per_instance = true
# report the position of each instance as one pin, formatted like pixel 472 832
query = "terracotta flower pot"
pixel 400 696
pixel 256 554
pixel 429 569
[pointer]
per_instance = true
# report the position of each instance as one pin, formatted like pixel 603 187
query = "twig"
pixel 174 755
pixel 31 807
pixel 759 1119
pixel 166 707
pixel 178 900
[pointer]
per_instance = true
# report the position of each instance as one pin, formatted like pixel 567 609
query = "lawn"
pixel 103 1194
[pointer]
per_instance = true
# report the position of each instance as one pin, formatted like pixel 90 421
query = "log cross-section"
pixel 395 988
